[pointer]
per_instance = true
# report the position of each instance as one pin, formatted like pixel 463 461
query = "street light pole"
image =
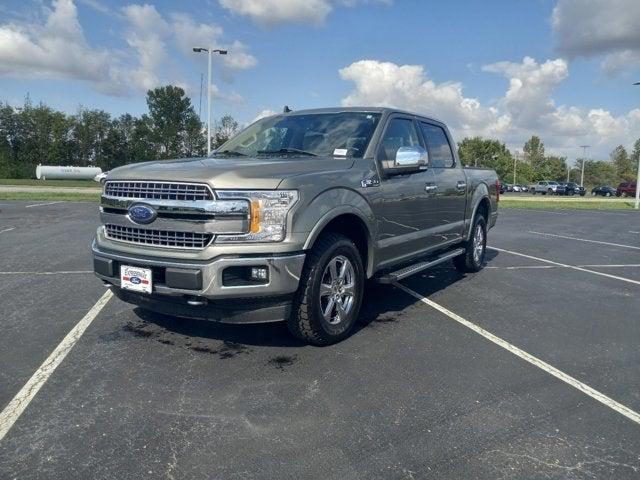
pixel 209 106
pixel 515 162
pixel 638 178
pixel 584 157
pixel 210 52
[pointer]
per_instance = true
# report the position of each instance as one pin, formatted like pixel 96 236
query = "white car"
pixel 101 178
pixel 517 188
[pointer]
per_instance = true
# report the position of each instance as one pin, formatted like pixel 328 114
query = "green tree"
pixel 225 128
pixel 174 126
pixel 623 163
pixel 534 152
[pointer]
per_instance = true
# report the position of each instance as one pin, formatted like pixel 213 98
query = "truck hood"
pixel 230 173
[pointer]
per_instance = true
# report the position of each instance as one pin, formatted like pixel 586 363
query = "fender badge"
pixel 370 182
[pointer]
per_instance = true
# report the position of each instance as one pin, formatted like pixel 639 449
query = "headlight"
pixel 268 214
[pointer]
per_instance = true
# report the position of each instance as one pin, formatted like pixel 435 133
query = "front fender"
pixel 329 205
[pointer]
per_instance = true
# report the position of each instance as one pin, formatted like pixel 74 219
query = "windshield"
pixel 318 134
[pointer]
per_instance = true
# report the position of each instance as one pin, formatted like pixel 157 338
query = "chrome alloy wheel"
pixel 478 244
pixel 337 290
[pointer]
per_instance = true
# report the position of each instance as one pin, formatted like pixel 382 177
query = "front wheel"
pixel 472 260
pixel 328 300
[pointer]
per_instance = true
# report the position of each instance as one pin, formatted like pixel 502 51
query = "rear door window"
pixel 440 154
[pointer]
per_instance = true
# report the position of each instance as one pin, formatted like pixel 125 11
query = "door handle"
pixel 429 188
pixel 462 185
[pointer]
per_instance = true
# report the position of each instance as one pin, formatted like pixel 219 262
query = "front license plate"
pixel 135 278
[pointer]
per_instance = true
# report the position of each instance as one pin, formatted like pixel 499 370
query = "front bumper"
pixel 205 280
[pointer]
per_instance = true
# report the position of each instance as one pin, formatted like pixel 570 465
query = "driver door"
pixel 405 210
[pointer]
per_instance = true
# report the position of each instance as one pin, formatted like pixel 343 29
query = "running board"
pixel 405 272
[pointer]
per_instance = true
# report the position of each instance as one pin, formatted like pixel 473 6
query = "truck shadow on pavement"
pixel 382 304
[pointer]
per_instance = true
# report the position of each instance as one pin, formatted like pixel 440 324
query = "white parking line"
pixel 585 240
pixel 522 267
pixel 533 360
pixel 628 280
pixel 62 272
pixel 43 204
pixel 7 229
pixel 17 405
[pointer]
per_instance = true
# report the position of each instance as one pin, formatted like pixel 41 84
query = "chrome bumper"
pixel 284 274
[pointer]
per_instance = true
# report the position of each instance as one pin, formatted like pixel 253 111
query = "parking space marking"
pixel 543 267
pixel 533 360
pixel 63 272
pixel 581 269
pixel 17 405
pixel 585 240
pixel 43 204
pixel 7 229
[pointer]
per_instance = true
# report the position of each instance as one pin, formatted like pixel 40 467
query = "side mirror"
pixel 411 157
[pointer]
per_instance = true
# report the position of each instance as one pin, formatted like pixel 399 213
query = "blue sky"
pixel 501 69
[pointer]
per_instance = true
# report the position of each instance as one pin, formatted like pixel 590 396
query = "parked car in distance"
pixel 603 191
pixel 503 188
pixel 101 178
pixel 560 189
pixel 524 188
pixel 517 188
pixel 626 189
pixel 572 188
pixel 544 187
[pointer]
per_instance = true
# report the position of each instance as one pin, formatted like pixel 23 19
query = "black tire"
pixel 533 193
pixel 608 194
pixel 307 321
pixel 468 262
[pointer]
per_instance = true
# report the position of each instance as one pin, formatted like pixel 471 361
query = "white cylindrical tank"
pixel 56 172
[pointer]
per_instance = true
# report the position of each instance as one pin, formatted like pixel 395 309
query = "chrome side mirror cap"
pixel 407 157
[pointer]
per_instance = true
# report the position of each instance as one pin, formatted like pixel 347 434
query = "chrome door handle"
pixel 462 185
pixel 430 188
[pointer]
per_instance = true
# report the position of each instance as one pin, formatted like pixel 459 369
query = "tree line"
pixel 36 134
pixel 533 164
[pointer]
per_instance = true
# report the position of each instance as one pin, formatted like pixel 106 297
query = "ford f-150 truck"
pixel 290 218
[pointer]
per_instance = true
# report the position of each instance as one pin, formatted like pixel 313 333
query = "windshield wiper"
pixel 230 152
pixel 288 150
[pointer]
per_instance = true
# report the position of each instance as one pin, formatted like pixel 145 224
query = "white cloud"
pixel 58 49
pixel 267 13
pixel 146 33
pixel 527 107
pixel 590 28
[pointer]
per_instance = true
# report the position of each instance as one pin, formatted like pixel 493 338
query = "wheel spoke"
pixel 333 269
pixel 325 290
pixel 343 270
pixel 349 289
pixel 340 311
pixel 329 309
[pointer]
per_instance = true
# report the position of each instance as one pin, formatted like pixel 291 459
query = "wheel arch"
pixel 353 224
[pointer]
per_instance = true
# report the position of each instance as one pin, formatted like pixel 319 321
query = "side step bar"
pixel 405 272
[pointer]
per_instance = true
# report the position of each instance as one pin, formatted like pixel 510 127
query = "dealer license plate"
pixel 135 278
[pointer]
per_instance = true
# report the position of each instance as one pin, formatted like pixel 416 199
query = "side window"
pixel 401 132
pixel 440 154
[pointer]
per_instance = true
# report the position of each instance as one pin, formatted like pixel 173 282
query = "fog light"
pixel 259 273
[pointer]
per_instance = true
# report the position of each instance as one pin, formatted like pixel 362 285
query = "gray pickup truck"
pixel 291 217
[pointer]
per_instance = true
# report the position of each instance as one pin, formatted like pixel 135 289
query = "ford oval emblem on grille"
pixel 142 214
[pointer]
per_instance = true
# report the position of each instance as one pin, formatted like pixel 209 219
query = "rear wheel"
pixel 533 192
pixel 328 300
pixel 608 194
pixel 624 194
pixel 472 260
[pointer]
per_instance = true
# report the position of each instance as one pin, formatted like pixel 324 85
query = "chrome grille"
pixel 158 190
pixel 159 238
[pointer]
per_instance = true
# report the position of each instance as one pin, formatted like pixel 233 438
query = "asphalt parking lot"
pixel 415 393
